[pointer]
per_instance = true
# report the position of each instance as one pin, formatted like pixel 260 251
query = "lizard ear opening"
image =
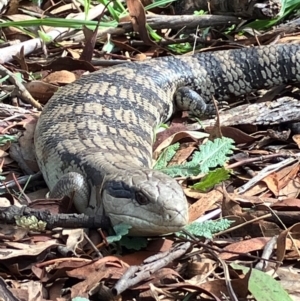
pixel 141 198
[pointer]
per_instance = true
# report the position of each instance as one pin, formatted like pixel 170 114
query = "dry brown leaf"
pixel 257 189
pixel 276 182
pixel 287 174
pixel 287 204
pixel 258 152
pixel 75 238
pixel 194 135
pixel 5 159
pixel 63 63
pixel 140 57
pixel 138 20
pixel 13 7
pixel 75 53
pixel 14 32
pixel 29 290
pixel 166 133
pixel 191 193
pixel 63 8
pixel 251 200
pixel 60 77
pixel 46 271
pixel 282 241
pixel 296 139
pixel 184 152
pixel 272 183
pixel 199 269
pixel 292 189
pixel 244 247
pixel 38 194
pixel 218 287
pixel 4 202
pixel 22 249
pixel 237 135
pixel 268 229
pixel 160 277
pixel 53 206
pixel 207 202
pixel 12 232
pixel 230 206
pixel 41 90
pixel 93 273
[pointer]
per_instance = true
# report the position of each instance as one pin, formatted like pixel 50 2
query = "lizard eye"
pixel 141 199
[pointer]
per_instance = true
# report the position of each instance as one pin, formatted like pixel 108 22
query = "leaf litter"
pixel 67 264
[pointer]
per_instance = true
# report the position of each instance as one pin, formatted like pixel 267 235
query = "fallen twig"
pixel 135 274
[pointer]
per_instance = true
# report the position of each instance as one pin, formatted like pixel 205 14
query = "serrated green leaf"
pixel 207 228
pixel 135 243
pixel 214 153
pixel 211 179
pixel 184 170
pixel 166 156
pixel 211 154
pixel 262 286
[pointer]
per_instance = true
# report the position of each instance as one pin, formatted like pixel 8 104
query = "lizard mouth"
pixel 142 226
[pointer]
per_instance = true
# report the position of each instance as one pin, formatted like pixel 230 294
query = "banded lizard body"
pixel 95 135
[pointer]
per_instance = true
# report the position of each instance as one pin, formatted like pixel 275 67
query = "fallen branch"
pixel 72 220
pixel 136 274
pixel 265 113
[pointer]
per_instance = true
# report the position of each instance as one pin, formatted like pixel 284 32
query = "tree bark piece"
pixel 284 109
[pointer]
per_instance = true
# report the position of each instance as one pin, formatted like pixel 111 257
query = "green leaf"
pixel 87 5
pixel 156 37
pixel 207 229
pixel 108 46
pixel 3 79
pixel 214 153
pixel 200 12
pixel 113 12
pixel 45 37
pixel 59 22
pixel 7 138
pixel 135 243
pixel 211 179
pixel 30 222
pixel 211 154
pixel 184 170
pixel 166 156
pixel 262 286
pixel 159 3
pixel 120 231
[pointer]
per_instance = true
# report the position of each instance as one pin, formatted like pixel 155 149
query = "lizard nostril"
pixel 168 217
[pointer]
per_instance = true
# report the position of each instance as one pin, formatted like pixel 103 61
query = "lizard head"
pixel 149 201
